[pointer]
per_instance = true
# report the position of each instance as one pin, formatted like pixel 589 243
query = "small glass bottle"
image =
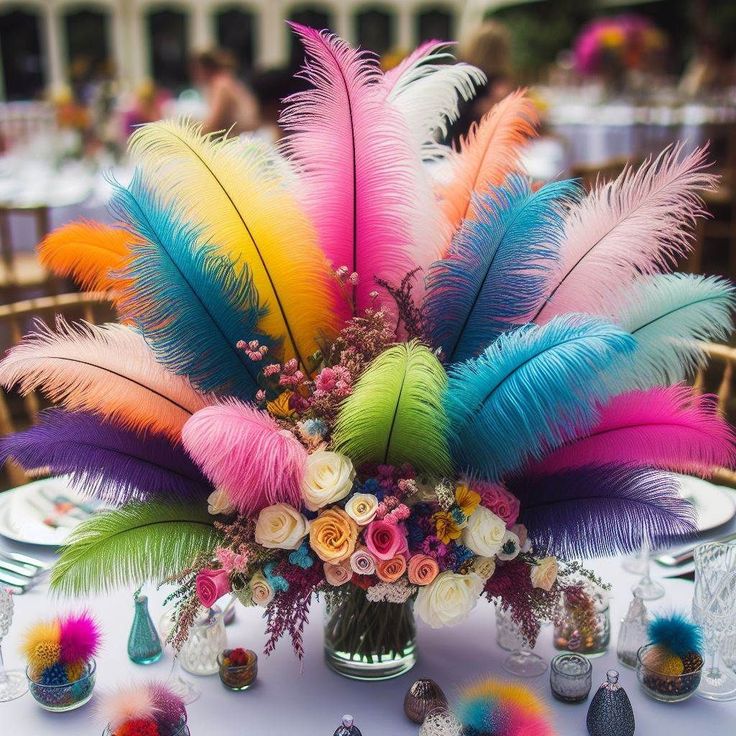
pixel 610 712
pixel 144 645
pixel 633 632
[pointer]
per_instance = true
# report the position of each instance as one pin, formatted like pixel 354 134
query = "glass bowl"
pixel 665 687
pixel 238 677
pixel 179 730
pixel 71 695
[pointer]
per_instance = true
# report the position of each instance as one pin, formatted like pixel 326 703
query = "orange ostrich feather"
pixel 88 252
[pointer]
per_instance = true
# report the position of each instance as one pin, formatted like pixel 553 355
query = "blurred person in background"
pixel 146 106
pixel 232 106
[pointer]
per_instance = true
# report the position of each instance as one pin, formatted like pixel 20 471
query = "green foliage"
pixel 395 414
pixel 128 546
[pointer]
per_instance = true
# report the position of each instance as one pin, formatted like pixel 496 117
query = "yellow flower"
pixel 279 407
pixel 333 535
pixel 467 499
pixel 447 528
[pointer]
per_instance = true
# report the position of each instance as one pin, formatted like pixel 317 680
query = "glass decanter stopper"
pixel 347 728
pixel 12 682
pixel 144 645
pixel 610 712
pixel 633 632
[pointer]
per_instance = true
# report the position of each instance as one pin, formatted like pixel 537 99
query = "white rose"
pixel 484 533
pixel 281 527
pixel 327 479
pixel 218 502
pixel 361 508
pixel 484 567
pixel 261 591
pixel 449 599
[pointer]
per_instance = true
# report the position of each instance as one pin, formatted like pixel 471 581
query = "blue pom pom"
pixel 479 715
pixel 54 675
pixel 676 632
pixel 301 557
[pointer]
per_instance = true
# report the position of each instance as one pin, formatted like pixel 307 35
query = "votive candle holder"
pixel 570 677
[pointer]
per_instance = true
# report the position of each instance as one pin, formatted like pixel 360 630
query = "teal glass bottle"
pixel 144 645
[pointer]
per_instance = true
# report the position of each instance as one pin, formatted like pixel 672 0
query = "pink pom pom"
pixel 79 638
pixel 245 453
pixel 126 704
pixel 169 706
pixel 521 722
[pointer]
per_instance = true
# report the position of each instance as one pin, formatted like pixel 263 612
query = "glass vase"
pixel 206 640
pixel 582 621
pixel 368 641
pixel 522 661
pixel 144 645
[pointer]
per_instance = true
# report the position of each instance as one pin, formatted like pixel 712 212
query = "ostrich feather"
pixel 530 390
pixel 395 413
pixel 363 183
pixel 639 223
pixel 488 154
pixel 108 462
pixel 666 428
pixel 593 512
pixel 128 703
pixel 493 277
pixel 427 90
pixel 669 315
pixel 239 199
pixel 191 304
pixel 79 637
pixel 138 543
pixel 88 252
pixel 245 453
pixel 109 370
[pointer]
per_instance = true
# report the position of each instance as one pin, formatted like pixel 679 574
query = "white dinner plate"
pixel 43 512
pixel 715 505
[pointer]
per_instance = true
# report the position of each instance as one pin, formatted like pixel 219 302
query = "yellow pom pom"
pixel 75 671
pixel 661 660
pixel 42 646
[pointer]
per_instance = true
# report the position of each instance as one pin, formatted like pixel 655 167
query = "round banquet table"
pixel 309 700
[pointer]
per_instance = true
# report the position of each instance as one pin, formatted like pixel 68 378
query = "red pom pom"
pixel 138 727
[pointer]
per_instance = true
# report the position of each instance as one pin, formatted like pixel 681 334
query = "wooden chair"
pixel 15 320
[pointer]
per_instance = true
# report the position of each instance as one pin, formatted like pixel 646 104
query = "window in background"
pixel 167 37
pixel 22 63
pixel 237 32
pixel 376 29
pixel 435 23
pixel 87 42
pixel 316 16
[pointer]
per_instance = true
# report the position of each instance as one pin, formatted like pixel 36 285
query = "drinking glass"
pixel 522 661
pixel 646 589
pixel 714 609
pixel 12 682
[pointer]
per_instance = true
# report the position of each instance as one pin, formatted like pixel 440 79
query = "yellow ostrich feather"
pixel 41 645
pixel 238 194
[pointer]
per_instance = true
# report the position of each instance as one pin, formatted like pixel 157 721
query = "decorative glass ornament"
pixel 440 723
pixel 610 712
pixel 144 645
pixel 633 632
pixel 422 698
pixel 12 682
pixel 347 728
pixel 207 638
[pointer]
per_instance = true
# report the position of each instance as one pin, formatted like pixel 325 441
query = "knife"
pixel 684 555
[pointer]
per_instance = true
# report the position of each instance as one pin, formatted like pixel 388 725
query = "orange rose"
pixel 422 570
pixel 389 571
pixel 333 535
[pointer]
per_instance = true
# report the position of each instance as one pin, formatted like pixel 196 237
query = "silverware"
pixel 686 554
pixel 18 568
pixel 13 579
pixel 25 559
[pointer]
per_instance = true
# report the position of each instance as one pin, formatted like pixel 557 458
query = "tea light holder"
pixel 570 677
pixel 241 674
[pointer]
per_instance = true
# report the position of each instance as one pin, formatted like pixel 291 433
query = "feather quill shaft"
pixel 109 370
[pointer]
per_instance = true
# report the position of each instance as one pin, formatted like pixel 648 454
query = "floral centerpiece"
pixel 335 374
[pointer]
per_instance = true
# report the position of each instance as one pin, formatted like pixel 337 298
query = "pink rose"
pixel 385 540
pixel 338 575
pixel 212 585
pixel 497 499
pixel 361 562
pixel 422 570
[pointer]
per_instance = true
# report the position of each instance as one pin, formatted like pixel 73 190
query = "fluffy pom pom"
pixel 676 633
pixel 127 704
pixel 245 453
pixel 54 675
pixel 138 727
pixel 79 638
pixel 41 645
pixel 169 706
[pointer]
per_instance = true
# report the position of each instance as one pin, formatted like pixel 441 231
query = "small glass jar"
pixel 238 676
pixel 67 696
pixel 667 687
pixel 571 677
pixel 582 621
pixel 181 729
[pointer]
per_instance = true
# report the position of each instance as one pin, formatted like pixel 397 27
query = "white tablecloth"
pixel 288 701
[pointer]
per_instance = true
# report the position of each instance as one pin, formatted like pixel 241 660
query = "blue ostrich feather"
pixel 530 391
pixel 191 304
pixel 677 633
pixel 493 278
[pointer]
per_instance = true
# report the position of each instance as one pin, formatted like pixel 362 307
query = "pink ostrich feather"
pixel 666 428
pixel 640 222
pixel 245 453
pixel 361 177
pixel 126 704
pixel 79 638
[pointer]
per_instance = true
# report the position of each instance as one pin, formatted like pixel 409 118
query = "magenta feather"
pixel 245 453
pixel 169 707
pixel 79 638
pixel 639 223
pixel 663 427
pixel 361 177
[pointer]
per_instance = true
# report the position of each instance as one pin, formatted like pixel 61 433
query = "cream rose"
pixel 484 567
pixel 328 478
pixel 218 502
pixel 361 508
pixel 449 599
pixel 260 590
pixel 281 527
pixel 484 533
pixel 544 573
